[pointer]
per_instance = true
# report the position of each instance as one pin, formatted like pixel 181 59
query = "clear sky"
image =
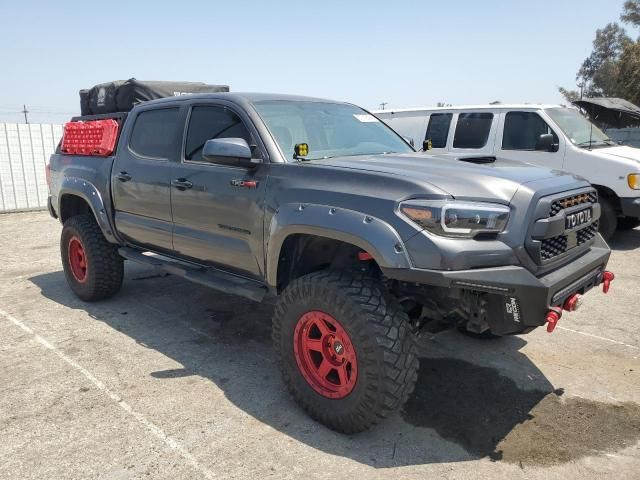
pixel 406 53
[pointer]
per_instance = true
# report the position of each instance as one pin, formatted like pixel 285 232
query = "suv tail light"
pixel 93 137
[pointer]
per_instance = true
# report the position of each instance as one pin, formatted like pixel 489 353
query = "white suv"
pixel 548 135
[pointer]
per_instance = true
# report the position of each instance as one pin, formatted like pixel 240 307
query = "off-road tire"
pixel 379 332
pixel 104 267
pixel 608 218
pixel 628 223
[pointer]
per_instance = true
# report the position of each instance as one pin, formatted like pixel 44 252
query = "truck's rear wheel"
pixel 92 266
pixel 608 218
pixel 345 348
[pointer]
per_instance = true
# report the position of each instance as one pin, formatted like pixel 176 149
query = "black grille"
pixel 558 205
pixel 587 233
pixel 552 247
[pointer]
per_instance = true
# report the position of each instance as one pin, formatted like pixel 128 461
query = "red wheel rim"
pixel 325 355
pixel 77 259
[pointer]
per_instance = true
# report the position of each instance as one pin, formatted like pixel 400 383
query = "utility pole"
pixel 25 111
pixel 383 104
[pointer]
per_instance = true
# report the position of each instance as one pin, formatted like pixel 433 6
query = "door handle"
pixel 123 177
pixel 182 184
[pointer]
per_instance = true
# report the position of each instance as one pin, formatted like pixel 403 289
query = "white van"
pixel 548 135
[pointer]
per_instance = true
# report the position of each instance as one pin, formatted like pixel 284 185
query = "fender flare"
pixel 90 194
pixel 371 234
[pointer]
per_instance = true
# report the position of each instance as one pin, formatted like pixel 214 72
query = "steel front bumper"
pixel 518 300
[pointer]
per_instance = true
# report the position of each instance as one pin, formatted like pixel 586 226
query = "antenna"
pixel 25 111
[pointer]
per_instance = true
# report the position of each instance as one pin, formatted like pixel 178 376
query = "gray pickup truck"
pixel 322 209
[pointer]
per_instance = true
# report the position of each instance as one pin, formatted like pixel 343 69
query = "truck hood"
pixel 624 152
pixel 458 178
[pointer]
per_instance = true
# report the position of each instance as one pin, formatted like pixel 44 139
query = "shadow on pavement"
pixel 470 394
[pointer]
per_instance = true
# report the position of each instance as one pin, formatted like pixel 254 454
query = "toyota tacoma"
pixel 319 207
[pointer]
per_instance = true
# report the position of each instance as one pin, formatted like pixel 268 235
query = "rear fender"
pixel 89 193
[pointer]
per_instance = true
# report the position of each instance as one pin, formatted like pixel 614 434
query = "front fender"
pixel 369 233
pixel 90 194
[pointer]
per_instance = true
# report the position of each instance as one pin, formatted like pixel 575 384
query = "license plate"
pixel 576 219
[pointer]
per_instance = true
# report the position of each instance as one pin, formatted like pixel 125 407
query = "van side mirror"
pixel 546 143
pixel 229 151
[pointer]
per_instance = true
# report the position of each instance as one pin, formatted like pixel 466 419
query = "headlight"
pixel 634 181
pixel 456 219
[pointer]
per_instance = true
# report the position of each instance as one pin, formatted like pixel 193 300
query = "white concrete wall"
pixel 24 152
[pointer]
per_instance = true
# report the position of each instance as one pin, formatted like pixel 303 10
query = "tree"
pixel 631 13
pixel 599 72
pixel 629 74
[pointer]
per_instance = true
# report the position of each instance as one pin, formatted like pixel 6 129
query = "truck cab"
pixel 547 135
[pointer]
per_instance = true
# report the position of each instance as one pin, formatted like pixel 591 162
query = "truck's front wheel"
pixel 92 266
pixel 345 348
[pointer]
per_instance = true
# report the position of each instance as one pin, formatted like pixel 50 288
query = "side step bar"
pixel 209 277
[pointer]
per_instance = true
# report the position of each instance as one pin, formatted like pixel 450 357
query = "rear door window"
pixel 438 129
pixel 472 130
pixel 154 133
pixel 522 131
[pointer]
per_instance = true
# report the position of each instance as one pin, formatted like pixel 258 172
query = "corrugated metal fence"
pixel 24 152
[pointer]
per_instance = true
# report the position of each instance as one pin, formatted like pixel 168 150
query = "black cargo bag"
pixel 122 96
pixel 100 99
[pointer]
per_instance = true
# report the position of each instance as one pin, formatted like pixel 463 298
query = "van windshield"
pixel 578 129
pixel 330 129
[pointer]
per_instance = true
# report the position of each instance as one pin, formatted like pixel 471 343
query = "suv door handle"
pixel 123 177
pixel 182 184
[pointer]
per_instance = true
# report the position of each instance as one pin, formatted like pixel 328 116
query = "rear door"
pixel 438 128
pixel 141 177
pixel 218 209
pixel 520 131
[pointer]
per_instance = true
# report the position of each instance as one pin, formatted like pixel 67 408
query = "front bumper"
pixel 518 300
pixel 630 207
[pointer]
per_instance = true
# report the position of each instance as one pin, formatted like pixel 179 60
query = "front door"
pixel 141 177
pixel 218 209
pixel 520 134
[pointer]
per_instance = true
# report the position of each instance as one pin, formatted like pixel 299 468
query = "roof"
pixel 497 106
pixel 250 97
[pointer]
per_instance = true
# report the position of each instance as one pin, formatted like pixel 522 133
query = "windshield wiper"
pixel 590 143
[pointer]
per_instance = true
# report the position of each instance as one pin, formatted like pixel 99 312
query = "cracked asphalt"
pixel 171 380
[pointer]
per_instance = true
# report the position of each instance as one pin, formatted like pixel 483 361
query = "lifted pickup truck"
pixel 322 209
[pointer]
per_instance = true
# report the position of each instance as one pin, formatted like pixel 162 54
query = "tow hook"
pixel 553 315
pixel 607 278
pixel 573 303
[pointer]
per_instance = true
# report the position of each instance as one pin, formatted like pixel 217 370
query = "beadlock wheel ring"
pixel 325 355
pixel 77 259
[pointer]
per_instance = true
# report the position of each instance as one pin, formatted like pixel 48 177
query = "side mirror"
pixel 229 151
pixel 545 143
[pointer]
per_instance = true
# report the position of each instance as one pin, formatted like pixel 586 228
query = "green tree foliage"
pixel 613 68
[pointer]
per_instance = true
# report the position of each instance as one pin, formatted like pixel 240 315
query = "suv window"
pixel 211 122
pixel 154 133
pixel 438 129
pixel 472 130
pixel 523 129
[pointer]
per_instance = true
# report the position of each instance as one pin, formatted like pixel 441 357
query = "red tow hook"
pixel 553 316
pixel 573 302
pixel 607 278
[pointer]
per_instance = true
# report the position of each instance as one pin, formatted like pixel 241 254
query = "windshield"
pixel 330 129
pixel 578 129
